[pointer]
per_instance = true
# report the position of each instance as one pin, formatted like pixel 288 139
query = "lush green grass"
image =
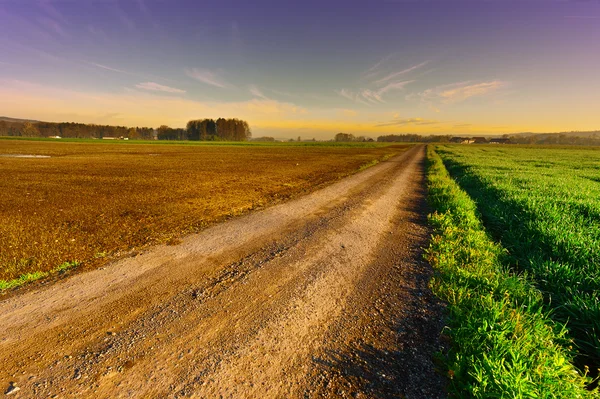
pixel 502 343
pixel 544 206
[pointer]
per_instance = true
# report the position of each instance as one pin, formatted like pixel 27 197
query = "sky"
pixel 306 68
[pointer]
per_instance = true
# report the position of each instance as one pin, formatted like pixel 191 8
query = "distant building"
pixel 479 140
pixel 499 141
pixel 115 138
pixel 54 137
pixel 461 140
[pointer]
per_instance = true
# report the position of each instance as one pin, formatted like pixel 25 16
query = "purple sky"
pixel 307 68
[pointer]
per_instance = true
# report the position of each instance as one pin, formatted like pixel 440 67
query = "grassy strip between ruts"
pixel 503 345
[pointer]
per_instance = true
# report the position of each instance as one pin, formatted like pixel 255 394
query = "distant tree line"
pixel 72 130
pixel 222 129
pixel 198 130
pixel 348 137
pixel 568 138
pixel 590 138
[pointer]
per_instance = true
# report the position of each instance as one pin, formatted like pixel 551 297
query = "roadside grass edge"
pixel 29 277
pixel 503 345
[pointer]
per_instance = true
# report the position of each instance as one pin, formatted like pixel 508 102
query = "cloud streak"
pixel 106 67
pixel 53 26
pixel 51 10
pixel 458 92
pixel 352 96
pixel 394 86
pixel 124 18
pixel 375 90
pixel 374 70
pixel 206 76
pixel 256 92
pixel 368 96
pixel 400 73
pixel 152 86
pixel 408 122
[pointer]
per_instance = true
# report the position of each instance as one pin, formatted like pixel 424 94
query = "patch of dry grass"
pixel 89 201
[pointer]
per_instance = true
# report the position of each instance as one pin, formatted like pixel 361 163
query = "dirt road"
pixel 323 296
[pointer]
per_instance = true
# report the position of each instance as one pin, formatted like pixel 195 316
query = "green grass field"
pixel 503 345
pixel 543 206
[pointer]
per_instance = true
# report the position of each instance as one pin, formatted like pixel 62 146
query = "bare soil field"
pixel 63 203
pixel 322 296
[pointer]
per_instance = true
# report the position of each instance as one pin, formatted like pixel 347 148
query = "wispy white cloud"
pixel 363 96
pixel 346 93
pixel 97 33
pixel 408 122
pixel 350 95
pixel 457 92
pixel 51 10
pixel 400 73
pixel 208 77
pixel 256 92
pixel 373 91
pixel 158 87
pixel 106 67
pixel 124 18
pixel 393 86
pixel 53 26
pixel 142 6
pixel 117 70
pixel 273 107
pixel 374 70
pixel 369 96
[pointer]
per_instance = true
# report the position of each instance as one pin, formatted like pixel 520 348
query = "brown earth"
pixel 323 296
pixel 91 202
